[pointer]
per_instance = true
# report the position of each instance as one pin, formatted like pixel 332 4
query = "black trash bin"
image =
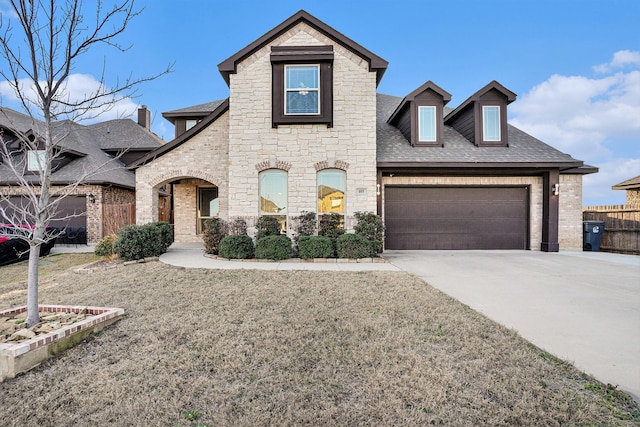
pixel 592 232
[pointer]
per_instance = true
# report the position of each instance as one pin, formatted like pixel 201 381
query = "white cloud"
pixel 620 59
pixel 77 87
pixel 593 119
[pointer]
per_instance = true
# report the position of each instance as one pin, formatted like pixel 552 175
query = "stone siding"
pixel 633 197
pixel 350 144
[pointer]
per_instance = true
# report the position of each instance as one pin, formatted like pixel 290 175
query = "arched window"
pixel 273 194
pixel 331 191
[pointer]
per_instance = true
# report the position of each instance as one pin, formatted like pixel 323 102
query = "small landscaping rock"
pixel 22 334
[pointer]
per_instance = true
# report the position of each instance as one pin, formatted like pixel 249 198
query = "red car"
pixel 13 249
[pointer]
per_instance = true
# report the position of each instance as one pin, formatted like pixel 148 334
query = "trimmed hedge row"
pixel 229 240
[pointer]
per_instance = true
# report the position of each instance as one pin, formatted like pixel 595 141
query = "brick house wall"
pixel 202 160
pixel 570 212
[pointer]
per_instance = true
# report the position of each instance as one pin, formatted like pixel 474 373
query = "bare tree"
pixel 41 42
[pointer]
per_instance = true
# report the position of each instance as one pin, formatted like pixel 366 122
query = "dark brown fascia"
pixel 169 146
pixel 511 96
pixel 173 116
pixel 230 65
pixel 446 97
pixel 416 166
pixel 628 184
pixel 84 183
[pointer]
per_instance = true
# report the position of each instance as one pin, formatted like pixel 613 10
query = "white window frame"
pixel 485 108
pixel 343 175
pixel 286 90
pixel 36 160
pixel 189 123
pixel 435 124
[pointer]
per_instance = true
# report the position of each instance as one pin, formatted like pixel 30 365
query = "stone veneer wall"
pixel 570 215
pixel 204 159
pixel 255 145
pixel 633 197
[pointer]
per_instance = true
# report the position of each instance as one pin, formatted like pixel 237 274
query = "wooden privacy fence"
pixel 115 217
pixel 621 227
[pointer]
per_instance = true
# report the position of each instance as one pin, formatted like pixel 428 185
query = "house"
pixel 304 129
pixel 632 188
pixel 98 151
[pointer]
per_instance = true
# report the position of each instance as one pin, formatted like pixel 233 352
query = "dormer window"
pixel 420 115
pixel 36 160
pixel 189 123
pixel 427 124
pixel 482 118
pixel 491 123
pixel 302 91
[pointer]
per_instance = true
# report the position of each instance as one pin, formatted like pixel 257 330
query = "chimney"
pixel 144 117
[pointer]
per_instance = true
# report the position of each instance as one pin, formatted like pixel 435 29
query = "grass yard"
pixel 208 347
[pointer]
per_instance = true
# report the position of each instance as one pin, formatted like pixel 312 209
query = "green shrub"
pixel 106 246
pixel 236 247
pixel 306 225
pixel 267 226
pixel 215 229
pixel 164 234
pixel 274 247
pixel 353 246
pixel 315 247
pixel 237 227
pixel 141 241
pixel 331 226
pixel 371 227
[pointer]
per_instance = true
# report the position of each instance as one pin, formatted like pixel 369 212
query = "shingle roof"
pixel 198 110
pixel 85 145
pixel 629 184
pixel 122 134
pixel 393 147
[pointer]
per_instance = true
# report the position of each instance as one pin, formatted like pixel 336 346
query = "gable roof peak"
pixel 495 85
pixel 230 65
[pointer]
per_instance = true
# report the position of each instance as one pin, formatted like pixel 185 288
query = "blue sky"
pixel 575 64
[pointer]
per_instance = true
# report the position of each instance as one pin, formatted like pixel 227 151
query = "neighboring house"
pixel 632 187
pixel 97 151
pixel 303 129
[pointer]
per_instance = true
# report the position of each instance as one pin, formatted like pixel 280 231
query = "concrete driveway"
pixel 583 307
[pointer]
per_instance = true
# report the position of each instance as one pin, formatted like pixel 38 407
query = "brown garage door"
pixel 456 217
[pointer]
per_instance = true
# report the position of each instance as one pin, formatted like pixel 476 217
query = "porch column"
pixel 550 210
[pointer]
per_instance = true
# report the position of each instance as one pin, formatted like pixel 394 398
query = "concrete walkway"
pixel 583 307
pixel 191 255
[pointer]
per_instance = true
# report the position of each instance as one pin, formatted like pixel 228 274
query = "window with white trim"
pixel 36 160
pixel 426 123
pixel 302 89
pixel 491 123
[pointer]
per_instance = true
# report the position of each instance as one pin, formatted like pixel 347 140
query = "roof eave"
pixel 376 63
pixel 169 146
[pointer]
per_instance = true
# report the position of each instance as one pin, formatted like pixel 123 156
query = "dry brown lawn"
pixel 289 348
